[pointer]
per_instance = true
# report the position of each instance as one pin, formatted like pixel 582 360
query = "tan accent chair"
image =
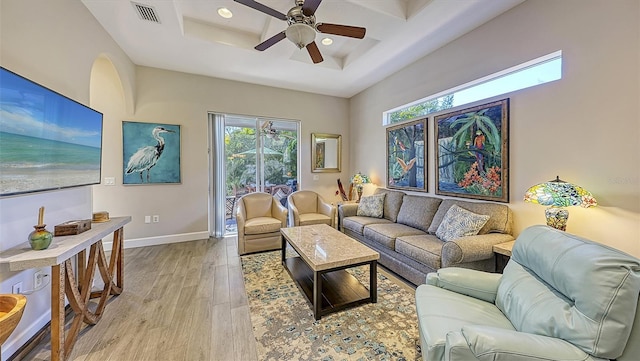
pixel 260 217
pixel 308 207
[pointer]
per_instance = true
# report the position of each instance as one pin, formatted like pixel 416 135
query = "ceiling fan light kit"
pixel 300 34
pixel 302 26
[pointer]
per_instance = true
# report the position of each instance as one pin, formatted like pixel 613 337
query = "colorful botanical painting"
pixel 406 156
pixel 472 152
pixel 151 153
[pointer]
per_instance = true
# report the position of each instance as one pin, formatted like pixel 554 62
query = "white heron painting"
pixel 151 153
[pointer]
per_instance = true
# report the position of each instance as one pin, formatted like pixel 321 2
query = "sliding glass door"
pixel 253 155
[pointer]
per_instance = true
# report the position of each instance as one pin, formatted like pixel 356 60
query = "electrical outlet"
pixel 109 181
pixel 147 219
pixel 38 279
pixel 156 218
pixel 17 288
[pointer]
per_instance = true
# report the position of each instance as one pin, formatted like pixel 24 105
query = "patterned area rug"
pixel 285 328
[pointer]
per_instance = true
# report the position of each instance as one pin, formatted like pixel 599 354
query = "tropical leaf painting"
pixel 472 157
pixel 406 156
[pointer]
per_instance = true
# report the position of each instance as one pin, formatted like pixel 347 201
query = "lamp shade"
pixel 558 193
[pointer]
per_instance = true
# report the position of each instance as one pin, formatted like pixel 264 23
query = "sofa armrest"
pixel 346 210
pixel 473 283
pixel 471 248
pixel 491 343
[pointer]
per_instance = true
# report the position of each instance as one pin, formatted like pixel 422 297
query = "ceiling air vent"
pixel 146 12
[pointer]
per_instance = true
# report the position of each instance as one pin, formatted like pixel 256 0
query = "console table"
pixel 76 286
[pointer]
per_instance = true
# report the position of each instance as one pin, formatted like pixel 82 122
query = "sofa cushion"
pixel 459 222
pixel 500 221
pixel 418 211
pixel 371 206
pixel 356 224
pixel 563 286
pixel 442 311
pixel 426 249
pixel 386 233
pixel 392 203
pixel 262 225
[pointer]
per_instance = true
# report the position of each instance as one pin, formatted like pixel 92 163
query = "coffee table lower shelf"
pixel 339 289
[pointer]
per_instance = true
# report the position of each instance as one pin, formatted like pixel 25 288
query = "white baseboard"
pixel 13 344
pixel 154 241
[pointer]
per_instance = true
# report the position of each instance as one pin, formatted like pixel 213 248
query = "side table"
pixel 503 254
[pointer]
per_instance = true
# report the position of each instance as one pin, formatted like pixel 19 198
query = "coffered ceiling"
pixel 189 36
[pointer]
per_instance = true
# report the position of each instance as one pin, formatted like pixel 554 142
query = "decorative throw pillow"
pixel 459 222
pixel 371 206
pixel 280 194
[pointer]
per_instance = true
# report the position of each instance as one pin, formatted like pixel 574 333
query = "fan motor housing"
pixel 296 16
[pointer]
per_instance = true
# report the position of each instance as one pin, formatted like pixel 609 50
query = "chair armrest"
pixel 279 212
pixel 491 343
pixel 294 214
pixel 471 248
pixel 470 282
pixel 241 216
pixel 327 209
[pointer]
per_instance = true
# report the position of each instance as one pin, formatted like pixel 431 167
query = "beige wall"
pixel 584 128
pixel 185 99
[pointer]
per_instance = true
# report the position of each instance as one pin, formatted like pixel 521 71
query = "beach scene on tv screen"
pixel 47 141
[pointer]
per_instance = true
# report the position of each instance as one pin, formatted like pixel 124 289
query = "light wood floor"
pixel 181 301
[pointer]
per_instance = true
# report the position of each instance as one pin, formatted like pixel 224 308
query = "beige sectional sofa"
pixel 406 238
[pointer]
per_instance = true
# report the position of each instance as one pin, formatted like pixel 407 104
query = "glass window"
pixel 535 72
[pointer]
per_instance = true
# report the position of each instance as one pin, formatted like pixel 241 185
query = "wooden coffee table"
pixel 319 270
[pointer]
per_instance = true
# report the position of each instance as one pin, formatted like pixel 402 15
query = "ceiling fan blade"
pixel 314 52
pixel 271 41
pixel 263 8
pixel 342 30
pixel 310 6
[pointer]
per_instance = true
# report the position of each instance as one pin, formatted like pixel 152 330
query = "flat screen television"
pixel 47 141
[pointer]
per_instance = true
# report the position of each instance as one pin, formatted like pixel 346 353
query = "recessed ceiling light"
pixel 327 41
pixel 225 13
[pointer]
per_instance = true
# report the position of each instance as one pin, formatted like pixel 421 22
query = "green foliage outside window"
pixel 418 110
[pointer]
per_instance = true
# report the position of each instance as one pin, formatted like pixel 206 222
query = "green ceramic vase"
pixel 40 238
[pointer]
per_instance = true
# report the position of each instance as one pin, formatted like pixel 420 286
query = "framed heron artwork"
pixel 407 156
pixel 472 152
pixel 151 153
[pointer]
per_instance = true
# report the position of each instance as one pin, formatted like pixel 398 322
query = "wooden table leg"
pixel 57 312
pixel 77 289
pixel 373 281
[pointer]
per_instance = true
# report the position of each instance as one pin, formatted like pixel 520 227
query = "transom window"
pixel 534 72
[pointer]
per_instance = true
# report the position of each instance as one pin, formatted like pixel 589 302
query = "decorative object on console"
pixel 72 227
pixel 406 156
pixel 40 238
pixel 141 155
pixel 472 152
pixel 100 217
pixel 558 194
pixel 359 180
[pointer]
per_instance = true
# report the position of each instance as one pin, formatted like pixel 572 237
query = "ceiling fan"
pixel 269 131
pixel 302 26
